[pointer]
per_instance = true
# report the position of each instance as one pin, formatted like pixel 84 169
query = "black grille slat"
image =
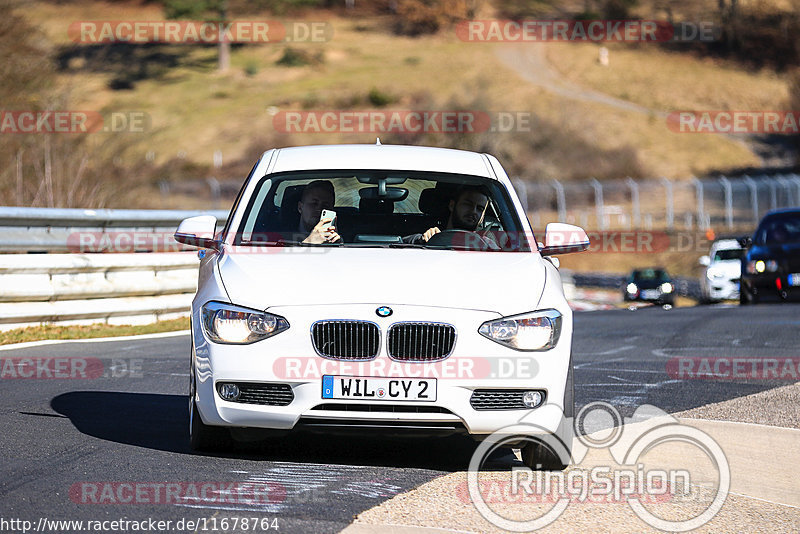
pixel 498 399
pixel 346 340
pixel 421 342
pixel 264 394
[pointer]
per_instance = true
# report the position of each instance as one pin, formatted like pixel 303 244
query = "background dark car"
pixel 771 265
pixel 649 285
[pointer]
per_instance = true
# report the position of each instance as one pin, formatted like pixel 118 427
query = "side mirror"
pixel 560 238
pixel 705 261
pixel 745 242
pixel 198 232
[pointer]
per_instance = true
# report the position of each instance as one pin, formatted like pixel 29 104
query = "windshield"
pixel 778 230
pixel 650 275
pixel 728 254
pixel 382 209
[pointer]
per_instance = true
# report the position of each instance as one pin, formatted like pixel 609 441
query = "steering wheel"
pixel 461 239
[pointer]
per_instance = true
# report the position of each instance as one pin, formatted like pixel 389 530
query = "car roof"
pixel 643 269
pixel 783 211
pixel 381 157
pixel 725 244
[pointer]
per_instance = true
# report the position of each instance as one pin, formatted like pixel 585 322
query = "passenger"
pixel 467 209
pixel 317 196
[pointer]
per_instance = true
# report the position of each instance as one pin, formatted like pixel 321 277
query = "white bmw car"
pixel 379 288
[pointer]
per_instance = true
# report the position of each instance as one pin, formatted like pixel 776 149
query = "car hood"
pixel 727 267
pixel 502 282
pixel 775 251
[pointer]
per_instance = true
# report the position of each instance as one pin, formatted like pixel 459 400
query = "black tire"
pixel 203 437
pixel 745 297
pixel 540 456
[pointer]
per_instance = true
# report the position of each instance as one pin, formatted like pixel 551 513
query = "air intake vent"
pixel 264 394
pixel 499 399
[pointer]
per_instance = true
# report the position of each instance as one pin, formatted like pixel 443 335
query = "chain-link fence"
pixel 720 203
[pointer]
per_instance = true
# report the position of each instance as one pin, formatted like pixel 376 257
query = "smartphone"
pixel 328 214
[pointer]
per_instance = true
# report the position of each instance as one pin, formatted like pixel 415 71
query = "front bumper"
pixel 722 289
pixel 289 358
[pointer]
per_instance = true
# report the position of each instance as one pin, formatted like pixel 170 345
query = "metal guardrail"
pixel 125 288
pixel 92 288
pixel 73 230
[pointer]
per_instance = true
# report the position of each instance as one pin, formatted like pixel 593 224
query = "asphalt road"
pixel 62 436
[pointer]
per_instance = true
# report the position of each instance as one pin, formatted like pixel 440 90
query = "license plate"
pixel 794 279
pixel 380 389
pixel 650 294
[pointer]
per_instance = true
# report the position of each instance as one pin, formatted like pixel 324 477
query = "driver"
pixel 467 208
pixel 317 196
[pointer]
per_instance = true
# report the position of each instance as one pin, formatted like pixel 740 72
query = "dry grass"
pixel 665 81
pixel 195 110
pixel 37 333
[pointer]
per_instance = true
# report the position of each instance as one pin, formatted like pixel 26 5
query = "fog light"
pixel 229 392
pixel 532 399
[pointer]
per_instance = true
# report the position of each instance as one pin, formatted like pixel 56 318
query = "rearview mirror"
pixel 561 238
pixel 198 232
pixel 705 261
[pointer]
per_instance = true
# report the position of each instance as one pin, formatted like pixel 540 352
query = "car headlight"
pixel 631 288
pixel 225 323
pixel 666 287
pixel 530 331
pixel 714 273
pixel 760 266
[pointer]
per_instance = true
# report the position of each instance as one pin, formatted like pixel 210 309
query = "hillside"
pixel 192 110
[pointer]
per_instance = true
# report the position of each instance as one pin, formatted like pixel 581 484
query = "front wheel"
pixel 555 452
pixel 203 437
pixel 745 297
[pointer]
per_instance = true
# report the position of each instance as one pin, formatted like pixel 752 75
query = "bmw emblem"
pixel 384 311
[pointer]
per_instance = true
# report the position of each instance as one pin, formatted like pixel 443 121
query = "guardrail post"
pixel 751 184
pixel 726 184
pixel 598 201
pixel 773 195
pixel 701 216
pixel 636 213
pixel 796 179
pixel 560 201
pixel 787 187
pixel 670 214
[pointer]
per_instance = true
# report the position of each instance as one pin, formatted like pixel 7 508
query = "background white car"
pixel 723 271
pixel 381 331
